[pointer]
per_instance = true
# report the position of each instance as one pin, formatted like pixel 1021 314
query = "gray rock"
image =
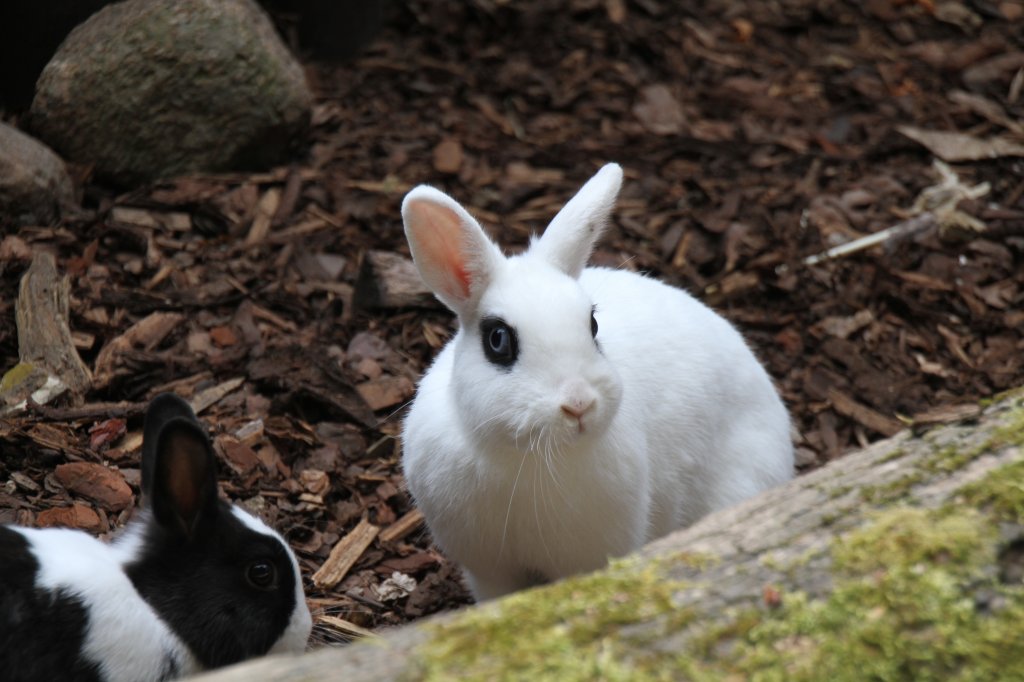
pixel 146 89
pixel 34 184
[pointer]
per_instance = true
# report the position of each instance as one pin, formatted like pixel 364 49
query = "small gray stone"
pixel 146 89
pixel 34 184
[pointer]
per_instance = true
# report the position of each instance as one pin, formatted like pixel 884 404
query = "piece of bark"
pixel 345 554
pixel 213 395
pixel 344 626
pixel 265 210
pixel 386 391
pixel 147 333
pixel 103 485
pixel 45 344
pixel 747 587
pixel 121 410
pixel 388 280
pixel 945 414
pixel 240 457
pixel 402 527
pixel 78 516
pixel 862 414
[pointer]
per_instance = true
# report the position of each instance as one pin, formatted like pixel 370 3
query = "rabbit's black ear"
pixel 161 410
pixel 184 487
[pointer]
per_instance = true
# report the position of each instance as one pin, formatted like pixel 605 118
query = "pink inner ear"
pixel 184 470
pixel 442 243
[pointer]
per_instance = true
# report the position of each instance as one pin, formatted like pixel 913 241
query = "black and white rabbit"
pixel 578 412
pixel 194 583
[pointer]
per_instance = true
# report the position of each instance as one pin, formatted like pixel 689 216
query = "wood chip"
pixel 82 340
pixel 223 336
pixel 945 414
pixel 250 433
pixel 403 526
pixel 147 333
pixel 414 563
pixel 345 554
pixel 265 210
pixel 175 221
pixel 78 516
pixel 106 432
pixel 239 457
pixel 954 146
pixel 315 481
pixel 346 627
pixel 862 414
pixel 659 111
pixel 211 396
pixel 386 391
pixel 24 482
pixel 448 156
pixel 104 486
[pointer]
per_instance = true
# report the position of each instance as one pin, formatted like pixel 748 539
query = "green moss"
pixel 15 375
pixel 1012 433
pixel 721 639
pixel 951 458
pixel 907 537
pixel 902 608
pixel 838 491
pixel 1001 491
pixel 696 560
pixel 828 518
pixel 894 455
pixel 586 628
pixel 893 491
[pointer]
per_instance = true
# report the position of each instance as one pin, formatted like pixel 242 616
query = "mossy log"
pixel 900 562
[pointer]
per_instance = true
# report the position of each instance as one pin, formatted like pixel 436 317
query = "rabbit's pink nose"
pixel 577 408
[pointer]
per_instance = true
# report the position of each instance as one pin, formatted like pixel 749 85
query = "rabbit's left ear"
pixel 184 486
pixel 455 257
pixel 571 235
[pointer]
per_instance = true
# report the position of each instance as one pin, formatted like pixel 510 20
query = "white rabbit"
pixel 193 584
pixel 577 413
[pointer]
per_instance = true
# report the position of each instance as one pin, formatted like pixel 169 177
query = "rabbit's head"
pixel 529 372
pixel 225 582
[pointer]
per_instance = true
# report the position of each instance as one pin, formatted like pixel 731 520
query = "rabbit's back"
pixel 717 431
pixel 74 596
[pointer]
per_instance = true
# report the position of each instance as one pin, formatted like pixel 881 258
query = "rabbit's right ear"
pixel 454 256
pixel 162 409
pixel 183 489
pixel 572 233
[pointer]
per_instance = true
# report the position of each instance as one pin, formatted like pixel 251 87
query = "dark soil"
pixel 753 135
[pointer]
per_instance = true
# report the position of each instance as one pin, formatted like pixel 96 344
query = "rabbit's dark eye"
pixel 500 344
pixel 593 325
pixel 261 574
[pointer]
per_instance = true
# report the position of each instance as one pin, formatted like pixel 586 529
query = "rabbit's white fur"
pixel 678 416
pixel 125 637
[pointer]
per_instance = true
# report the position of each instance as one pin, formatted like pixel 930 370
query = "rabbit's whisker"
pixel 508 513
pixel 536 514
